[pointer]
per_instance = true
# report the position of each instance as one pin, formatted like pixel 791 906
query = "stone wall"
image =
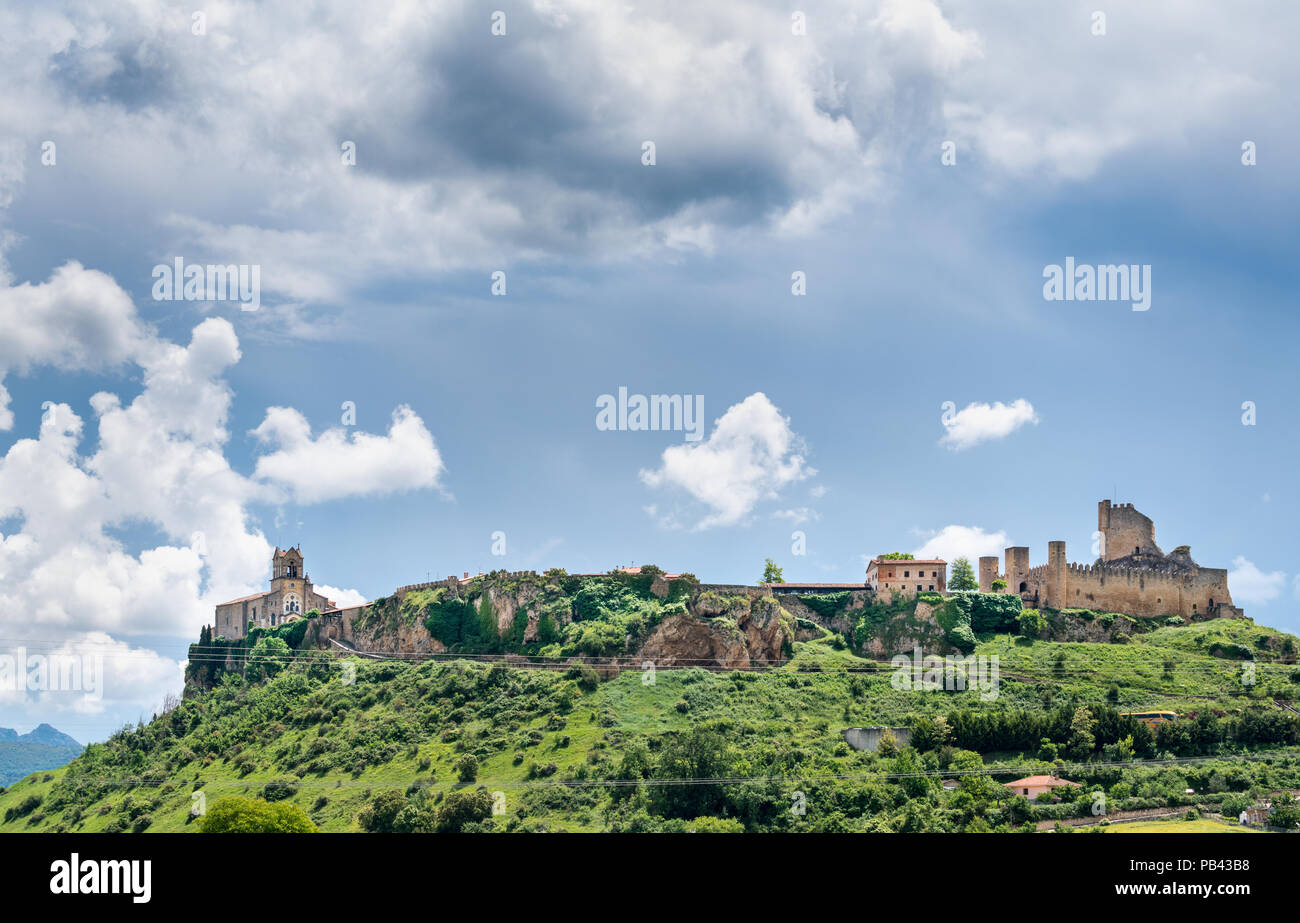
pixel 1125 531
pixel 869 738
pixel 1142 592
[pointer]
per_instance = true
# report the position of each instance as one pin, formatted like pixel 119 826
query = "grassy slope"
pixel 1201 825
pixel 257 736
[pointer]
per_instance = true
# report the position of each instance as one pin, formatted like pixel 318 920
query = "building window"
pixel 932 587
pixel 907 573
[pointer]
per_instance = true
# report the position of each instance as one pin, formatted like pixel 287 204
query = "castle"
pixel 291 595
pixel 1131 575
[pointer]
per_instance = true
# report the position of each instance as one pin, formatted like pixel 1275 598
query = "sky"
pixel 827 228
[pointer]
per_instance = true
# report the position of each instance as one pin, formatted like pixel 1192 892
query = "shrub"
pixel 280 789
pixel 463 808
pixel 252 815
pixel 23 808
pixel 1031 623
pixel 467 768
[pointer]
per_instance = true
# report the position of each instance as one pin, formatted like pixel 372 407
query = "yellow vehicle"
pixel 1151 719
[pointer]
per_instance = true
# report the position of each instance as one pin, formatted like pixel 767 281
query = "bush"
pixel 1031 623
pixel 380 815
pixel 462 808
pixel 253 815
pixel 467 768
pixel 25 807
pixel 280 789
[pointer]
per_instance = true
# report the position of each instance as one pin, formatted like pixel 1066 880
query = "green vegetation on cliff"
pixel 461 746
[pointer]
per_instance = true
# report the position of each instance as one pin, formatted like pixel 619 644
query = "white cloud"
pixel 970 542
pixel 78 319
pixel 750 456
pixel 342 464
pixel 1019 125
pixel 341 598
pixel 87 675
pixel 978 423
pixel 157 461
pixel 1249 584
pixel 798 515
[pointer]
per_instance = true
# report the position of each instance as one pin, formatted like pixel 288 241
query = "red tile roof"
pixel 244 599
pixel 1034 781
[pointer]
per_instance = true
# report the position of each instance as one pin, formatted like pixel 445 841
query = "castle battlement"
pixel 1132 575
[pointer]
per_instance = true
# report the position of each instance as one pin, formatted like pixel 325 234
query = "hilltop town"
pixel 1131 576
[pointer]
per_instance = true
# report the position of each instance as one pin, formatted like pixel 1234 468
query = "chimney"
pixel 466 577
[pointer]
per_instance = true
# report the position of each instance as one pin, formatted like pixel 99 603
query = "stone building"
pixel 1131 575
pixel 290 596
pixel 907 577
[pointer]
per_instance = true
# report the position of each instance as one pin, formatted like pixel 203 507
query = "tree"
pixel 464 807
pixel 1234 804
pixel 1285 812
pixel 963 576
pixel 701 753
pixel 1082 742
pixel 1032 623
pixel 772 573
pixel 897 556
pixel 379 816
pixel 999 585
pixel 253 815
pixel 467 768
pixel 268 657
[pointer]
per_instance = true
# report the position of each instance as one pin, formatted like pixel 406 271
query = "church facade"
pixel 291 595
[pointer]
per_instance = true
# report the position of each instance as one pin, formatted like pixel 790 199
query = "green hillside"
pixel 436 745
pixel 44 747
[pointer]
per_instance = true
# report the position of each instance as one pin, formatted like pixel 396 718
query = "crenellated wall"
pixel 1162 585
pixel 1143 592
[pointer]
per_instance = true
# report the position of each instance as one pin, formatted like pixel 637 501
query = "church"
pixel 290 596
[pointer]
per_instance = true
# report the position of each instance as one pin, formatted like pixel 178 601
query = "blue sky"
pixel 775 153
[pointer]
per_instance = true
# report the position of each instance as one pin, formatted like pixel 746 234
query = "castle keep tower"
pixel 1125 531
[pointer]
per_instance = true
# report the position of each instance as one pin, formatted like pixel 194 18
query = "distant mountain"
pixel 45 735
pixel 42 748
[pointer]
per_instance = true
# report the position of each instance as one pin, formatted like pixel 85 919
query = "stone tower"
pixel 1125 531
pixel 1017 558
pixel 988 572
pixel 289 581
pixel 1056 575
